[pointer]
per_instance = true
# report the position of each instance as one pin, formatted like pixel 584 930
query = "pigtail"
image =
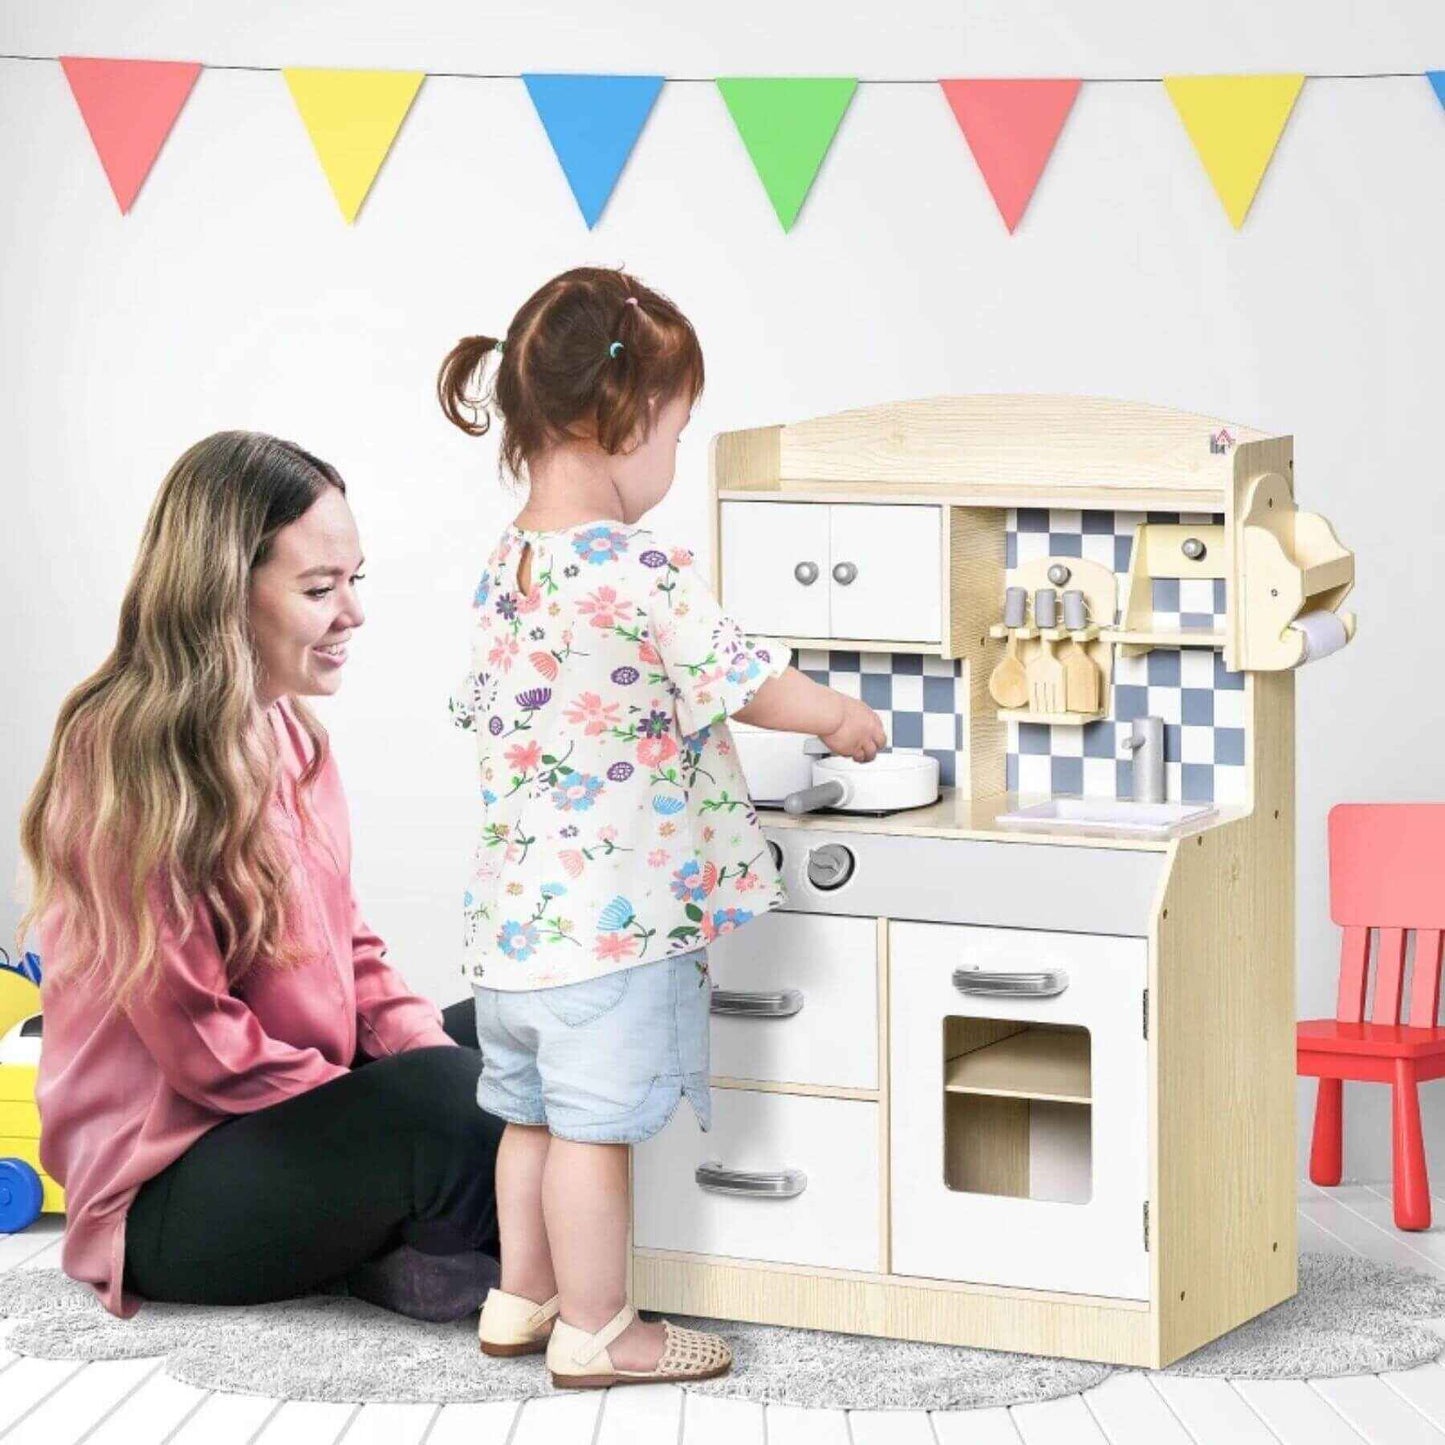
pixel 460 387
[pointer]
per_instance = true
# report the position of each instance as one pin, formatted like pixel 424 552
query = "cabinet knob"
pixel 806 573
pixel 844 573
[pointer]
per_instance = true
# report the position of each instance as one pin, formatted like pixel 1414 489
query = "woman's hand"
pixel 859 732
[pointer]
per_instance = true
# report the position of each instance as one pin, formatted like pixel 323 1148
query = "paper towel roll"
pixel 1323 632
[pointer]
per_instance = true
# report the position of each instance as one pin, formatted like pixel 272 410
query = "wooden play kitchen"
pixel 1024 1090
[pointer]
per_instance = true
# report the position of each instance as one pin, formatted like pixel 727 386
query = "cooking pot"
pixel 892 781
pixel 774 763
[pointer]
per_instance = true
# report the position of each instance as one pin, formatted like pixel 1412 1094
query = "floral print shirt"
pixel 616 825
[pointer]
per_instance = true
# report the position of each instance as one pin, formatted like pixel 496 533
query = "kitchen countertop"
pixel 956 815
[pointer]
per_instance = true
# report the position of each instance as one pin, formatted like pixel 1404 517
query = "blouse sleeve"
pixel 390 1018
pixel 207 1043
pixel 714 667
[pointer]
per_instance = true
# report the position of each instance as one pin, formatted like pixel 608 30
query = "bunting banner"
pixel 787 125
pixel 1235 122
pixel 352 117
pixel 593 122
pixel 1011 127
pixel 129 107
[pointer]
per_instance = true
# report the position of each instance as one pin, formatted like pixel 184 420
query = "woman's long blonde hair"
pixel 154 793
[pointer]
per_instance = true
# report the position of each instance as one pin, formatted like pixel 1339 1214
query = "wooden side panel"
pixel 1010 441
pixel 1222 992
pixel 975 541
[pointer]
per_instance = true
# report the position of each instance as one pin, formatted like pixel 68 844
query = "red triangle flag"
pixel 1011 127
pixel 129 107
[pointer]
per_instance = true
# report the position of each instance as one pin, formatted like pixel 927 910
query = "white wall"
pixel 233 296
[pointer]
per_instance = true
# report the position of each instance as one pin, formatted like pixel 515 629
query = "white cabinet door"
pixel 775 567
pixel 1089 1158
pixel 885 573
pixel 795 1001
pixel 825 1152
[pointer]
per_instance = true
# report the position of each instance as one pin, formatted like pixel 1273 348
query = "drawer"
pixel 1019 1120
pixel 830 1147
pixel 795 1001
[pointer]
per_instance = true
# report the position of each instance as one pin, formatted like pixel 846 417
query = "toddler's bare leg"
pixel 584 1200
pixel 526 1258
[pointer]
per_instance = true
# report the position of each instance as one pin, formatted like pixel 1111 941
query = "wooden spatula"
pixel 1081 679
pixel 1009 683
pixel 1046 680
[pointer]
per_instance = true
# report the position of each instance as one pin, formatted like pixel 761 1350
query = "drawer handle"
pixel 1047 984
pixel 734 1004
pixel 806 573
pixel 844 573
pixel 777 1184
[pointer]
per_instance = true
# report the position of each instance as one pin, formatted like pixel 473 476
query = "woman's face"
pixel 643 475
pixel 303 606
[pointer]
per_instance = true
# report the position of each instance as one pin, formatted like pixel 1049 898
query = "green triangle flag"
pixel 787 125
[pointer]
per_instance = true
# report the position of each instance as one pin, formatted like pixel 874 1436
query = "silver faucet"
pixel 1146 743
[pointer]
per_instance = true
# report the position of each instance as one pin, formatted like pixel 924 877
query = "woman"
pixel 209 980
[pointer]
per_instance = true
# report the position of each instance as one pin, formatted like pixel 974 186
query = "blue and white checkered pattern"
pixel 923 701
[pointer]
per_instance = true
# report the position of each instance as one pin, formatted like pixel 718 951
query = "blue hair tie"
pixel 614 349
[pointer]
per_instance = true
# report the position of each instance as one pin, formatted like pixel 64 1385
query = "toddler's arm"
pixel 794 703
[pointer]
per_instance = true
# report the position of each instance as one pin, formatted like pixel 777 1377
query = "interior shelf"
pixel 1049 719
pixel 1031 1064
pixel 1179 637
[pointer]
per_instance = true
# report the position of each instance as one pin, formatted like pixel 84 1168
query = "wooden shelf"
pixel 1049 719
pixel 1179 637
pixel 1032 1064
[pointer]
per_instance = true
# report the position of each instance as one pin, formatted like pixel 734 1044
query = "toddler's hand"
pixel 859 734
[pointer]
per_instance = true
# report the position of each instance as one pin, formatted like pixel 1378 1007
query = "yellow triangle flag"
pixel 352 117
pixel 1235 122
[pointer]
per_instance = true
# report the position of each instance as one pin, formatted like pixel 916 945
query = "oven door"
pixel 1019 1108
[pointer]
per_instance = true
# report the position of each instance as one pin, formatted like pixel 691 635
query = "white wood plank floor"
pixel 124 1402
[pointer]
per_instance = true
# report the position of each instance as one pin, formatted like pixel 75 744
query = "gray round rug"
pixel 1351 1317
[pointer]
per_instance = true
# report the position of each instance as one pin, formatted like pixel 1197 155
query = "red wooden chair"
pixel 1387 872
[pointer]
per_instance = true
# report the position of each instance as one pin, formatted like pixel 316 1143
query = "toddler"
pixel 617 838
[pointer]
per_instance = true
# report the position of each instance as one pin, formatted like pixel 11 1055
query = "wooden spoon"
pixel 1009 684
pixel 1081 679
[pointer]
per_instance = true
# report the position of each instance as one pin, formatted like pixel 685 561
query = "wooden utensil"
pixel 1009 683
pixel 1046 679
pixel 1081 679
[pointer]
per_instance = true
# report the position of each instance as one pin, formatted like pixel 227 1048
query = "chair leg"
pixel 1411 1182
pixel 1328 1146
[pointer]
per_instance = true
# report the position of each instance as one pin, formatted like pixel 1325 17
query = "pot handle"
pixel 821 795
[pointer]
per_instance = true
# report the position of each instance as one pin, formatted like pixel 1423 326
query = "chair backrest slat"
pixel 1425 984
pixel 1354 970
pixel 1389 976
pixel 1387 871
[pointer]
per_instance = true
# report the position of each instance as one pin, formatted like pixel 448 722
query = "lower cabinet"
pixel 788 1178
pixel 1019 1108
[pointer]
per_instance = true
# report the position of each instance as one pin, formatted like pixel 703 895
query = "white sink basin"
pixel 1118 816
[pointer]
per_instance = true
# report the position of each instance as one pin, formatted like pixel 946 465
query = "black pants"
pixel 270 1205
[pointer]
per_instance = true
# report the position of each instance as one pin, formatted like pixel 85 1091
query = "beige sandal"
pixel 512 1325
pixel 580 1361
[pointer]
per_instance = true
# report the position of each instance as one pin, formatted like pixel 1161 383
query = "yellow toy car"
pixel 25 1189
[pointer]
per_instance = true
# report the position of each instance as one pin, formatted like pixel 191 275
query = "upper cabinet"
pixel 833 572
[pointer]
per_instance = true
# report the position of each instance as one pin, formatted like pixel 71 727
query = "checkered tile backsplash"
pixel 923 701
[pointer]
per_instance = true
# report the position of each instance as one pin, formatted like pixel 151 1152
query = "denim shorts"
pixel 604 1061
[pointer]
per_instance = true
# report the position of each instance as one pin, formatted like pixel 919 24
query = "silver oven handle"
pixel 1048 983
pixel 735 1004
pixel 779 1184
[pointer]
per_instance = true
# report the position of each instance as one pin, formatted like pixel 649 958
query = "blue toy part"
pixel 28 967
pixel 20 1196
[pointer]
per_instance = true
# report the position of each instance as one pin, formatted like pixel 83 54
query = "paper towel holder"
pixel 1282 563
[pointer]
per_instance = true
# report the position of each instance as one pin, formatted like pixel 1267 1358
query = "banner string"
pixel 712 79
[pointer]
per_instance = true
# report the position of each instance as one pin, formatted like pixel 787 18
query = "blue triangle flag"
pixel 593 122
pixel 1437 79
